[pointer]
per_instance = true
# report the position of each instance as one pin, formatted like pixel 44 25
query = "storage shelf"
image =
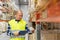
pixel 4 20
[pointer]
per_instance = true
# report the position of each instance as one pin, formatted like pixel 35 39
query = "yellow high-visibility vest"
pixel 17 26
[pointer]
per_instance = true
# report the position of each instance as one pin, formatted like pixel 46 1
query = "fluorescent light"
pixel 25 0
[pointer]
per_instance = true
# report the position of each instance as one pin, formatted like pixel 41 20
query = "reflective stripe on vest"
pixel 17 25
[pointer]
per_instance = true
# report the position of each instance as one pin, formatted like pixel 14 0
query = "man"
pixel 17 27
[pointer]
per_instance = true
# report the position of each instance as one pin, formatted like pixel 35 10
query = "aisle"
pixel 4 37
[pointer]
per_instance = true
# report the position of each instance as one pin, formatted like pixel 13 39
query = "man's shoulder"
pixel 11 20
pixel 24 21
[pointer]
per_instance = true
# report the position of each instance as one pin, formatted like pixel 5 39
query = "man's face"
pixel 19 15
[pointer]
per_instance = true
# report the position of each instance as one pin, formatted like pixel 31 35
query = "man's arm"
pixel 24 32
pixel 9 33
pixel 28 30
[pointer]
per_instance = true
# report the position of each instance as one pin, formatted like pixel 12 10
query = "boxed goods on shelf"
pixel 3 26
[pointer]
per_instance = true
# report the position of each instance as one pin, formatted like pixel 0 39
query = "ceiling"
pixel 23 2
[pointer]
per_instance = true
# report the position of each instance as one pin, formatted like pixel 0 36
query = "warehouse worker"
pixel 17 27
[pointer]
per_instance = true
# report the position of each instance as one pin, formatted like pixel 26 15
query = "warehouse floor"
pixel 45 35
pixel 3 36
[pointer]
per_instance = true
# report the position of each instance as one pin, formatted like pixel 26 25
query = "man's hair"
pixel 15 12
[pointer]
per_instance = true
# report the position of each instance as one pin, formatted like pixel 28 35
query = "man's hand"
pixel 16 33
pixel 31 29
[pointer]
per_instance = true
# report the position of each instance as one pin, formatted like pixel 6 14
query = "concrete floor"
pixel 4 37
pixel 45 35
